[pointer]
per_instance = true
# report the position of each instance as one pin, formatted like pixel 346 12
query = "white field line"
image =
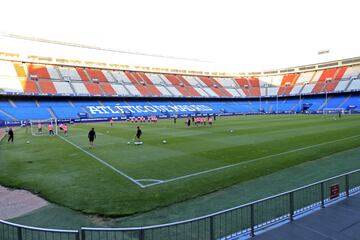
pixel 246 162
pixel 149 180
pixel 103 162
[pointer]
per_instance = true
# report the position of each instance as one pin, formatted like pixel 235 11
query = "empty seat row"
pixel 51 79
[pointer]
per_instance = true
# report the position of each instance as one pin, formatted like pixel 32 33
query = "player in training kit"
pixel 138 134
pixel 39 126
pixel 11 136
pixel 92 137
pixel 65 129
pixel 51 130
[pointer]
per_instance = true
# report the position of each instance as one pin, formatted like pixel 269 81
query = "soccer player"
pixel 11 135
pixel 51 130
pixel 65 129
pixel 138 134
pixel 111 122
pixel 92 137
pixel 210 120
pixel 39 126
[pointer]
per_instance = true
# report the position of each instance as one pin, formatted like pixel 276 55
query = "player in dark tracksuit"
pixel 138 133
pixel 11 135
pixel 91 136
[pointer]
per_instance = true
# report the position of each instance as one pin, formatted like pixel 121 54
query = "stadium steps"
pixel 8 115
pixel 72 87
pixel 252 107
pixel 38 86
pixel 296 105
pixel 71 103
pixel 59 73
pixel 302 88
pixel 312 77
pixel 344 101
pixel 51 112
pixel 324 104
pixel 113 76
pixel 12 103
pixel 86 111
pixel 348 85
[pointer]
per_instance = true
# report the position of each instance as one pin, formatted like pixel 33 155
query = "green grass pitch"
pixel 117 179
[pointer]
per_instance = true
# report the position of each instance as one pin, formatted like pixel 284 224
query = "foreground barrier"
pixel 242 221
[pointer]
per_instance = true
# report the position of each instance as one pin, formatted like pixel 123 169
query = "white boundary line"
pixel 245 162
pixel 103 162
pixel 157 182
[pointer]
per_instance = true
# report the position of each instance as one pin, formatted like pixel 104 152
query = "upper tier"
pixel 42 79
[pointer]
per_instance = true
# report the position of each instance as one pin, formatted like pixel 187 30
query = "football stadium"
pixel 147 143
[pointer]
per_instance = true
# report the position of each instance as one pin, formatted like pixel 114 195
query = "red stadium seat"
pixel 93 88
pixel 287 84
pixel 107 88
pixel 96 74
pixel 82 74
pixel 39 70
pixel 47 87
pixel 244 85
pixel 211 83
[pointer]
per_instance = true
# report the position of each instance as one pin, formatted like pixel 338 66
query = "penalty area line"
pixel 103 162
pixel 246 162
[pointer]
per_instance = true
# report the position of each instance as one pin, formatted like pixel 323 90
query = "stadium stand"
pixel 254 94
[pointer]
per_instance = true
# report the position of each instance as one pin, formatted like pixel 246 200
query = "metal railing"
pixel 241 221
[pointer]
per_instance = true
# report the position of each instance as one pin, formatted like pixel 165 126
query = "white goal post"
pixel 333 110
pixel 40 127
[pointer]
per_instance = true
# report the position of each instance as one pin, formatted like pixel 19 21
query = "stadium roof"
pixel 208 35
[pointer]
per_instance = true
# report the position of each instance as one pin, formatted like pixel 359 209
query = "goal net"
pixel 333 110
pixel 40 127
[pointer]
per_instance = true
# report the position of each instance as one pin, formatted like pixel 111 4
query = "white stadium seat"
pixel 108 76
pixel 272 91
pixel 352 72
pixel 120 76
pixel 9 80
pixel 210 92
pixel 305 77
pixel 307 88
pixel 296 89
pixel 132 89
pixel 155 78
pixel 192 80
pixel 120 89
pixel 63 87
pixel 69 73
pixel 53 72
pixel 174 91
pixel 354 85
pixel 233 92
pixel 164 91
pixel 80 88
pixel 342 85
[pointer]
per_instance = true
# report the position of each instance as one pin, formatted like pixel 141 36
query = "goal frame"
pixel 328 111
pixel 44 122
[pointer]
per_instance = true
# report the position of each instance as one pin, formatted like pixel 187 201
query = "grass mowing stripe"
pixel 103 162
pixel 249 161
